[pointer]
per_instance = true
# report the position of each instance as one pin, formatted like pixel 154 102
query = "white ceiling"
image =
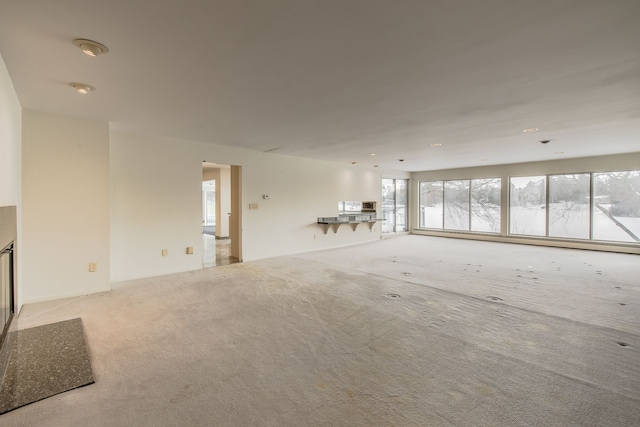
pixel 340 79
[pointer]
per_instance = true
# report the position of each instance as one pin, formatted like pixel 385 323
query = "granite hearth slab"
pixel 45 361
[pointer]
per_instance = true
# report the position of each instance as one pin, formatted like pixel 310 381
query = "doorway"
pixel 394 205
pixel 220 226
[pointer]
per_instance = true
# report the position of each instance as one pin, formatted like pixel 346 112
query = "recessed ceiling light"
pixel 545 141
pixel 90 47
pixel 354 163
pixel 401 160
pixel 527 130
pixel 372 154
pixel 436 145
pixel 559 152
pixel 485 160
pixel 82 87
pixel 375 166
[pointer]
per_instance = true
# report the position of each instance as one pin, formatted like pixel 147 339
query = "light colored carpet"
pixel 411 331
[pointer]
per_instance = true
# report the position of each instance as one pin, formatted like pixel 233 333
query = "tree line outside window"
pixel 597 206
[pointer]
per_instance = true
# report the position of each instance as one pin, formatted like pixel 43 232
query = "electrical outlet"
pixel 165 252
pixel 93 267
pixel 190 250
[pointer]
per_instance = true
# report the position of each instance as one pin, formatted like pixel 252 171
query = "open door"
pixel 235 220
pixel 222 241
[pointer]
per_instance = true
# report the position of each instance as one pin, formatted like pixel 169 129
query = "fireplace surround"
pixel 8 277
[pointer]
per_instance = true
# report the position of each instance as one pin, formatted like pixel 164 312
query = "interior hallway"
pixel 408 331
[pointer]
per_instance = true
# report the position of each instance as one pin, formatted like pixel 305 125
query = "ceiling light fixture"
pixel 90 47
pixel 372 154
pixel 354 163
pixel 527 130
pixel 436 145
pixel 401 160
pixel 545 141
pixel 82 87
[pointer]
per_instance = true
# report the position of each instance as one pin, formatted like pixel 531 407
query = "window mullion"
pixel 546 208
pixel 591 206
pixel 443 218
pixel 469 187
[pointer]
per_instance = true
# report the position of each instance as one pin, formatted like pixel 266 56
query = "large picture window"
pixel 463 205
pixel 431 204
pixel 527 205
pixel 574 208
pixel 569 205
pixel 587 206
pixel 485 205
pixel 616 206
pixel 456 205
pixel 394 205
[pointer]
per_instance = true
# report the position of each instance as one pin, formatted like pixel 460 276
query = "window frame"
pixel 505 209
pixel 424 226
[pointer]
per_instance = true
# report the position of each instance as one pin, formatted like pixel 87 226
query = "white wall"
pixel 10 160
pixel 156 203
pixel 300 191
pixel 630 161
pixel 10 136
pixel 65 215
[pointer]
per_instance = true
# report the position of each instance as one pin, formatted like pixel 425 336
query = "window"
pixel 485 205
pixel 456 205
pixel 209 203
pixel 527 205
pixel 616 206
pixel 431 206
pixel 607 210
pixel 587 206
pixel 569 205
pixel 349 206
pixel 394 205
pixel 464 205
